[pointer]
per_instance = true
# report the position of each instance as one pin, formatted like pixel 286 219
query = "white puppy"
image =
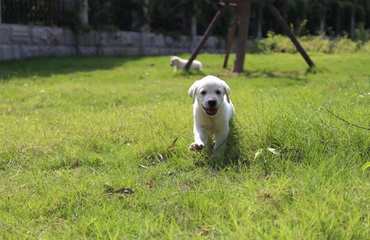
pixel 179 63
pixel 212 111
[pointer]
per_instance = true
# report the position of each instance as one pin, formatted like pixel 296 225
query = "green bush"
pixel 276 43
pixel 316 44
pixel 366 47
pixel 361 33
pixel 321 44
pixel 344 45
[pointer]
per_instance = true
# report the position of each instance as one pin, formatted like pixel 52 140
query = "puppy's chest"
pixel 211 125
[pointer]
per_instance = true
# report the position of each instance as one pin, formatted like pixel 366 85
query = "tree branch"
pixel 346 121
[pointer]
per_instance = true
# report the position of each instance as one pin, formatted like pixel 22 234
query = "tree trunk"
pixel 243 13
pixel 230 41
pixel 260 21
pixel 203 40
pixel 84 13
pixel 353 21
pixel 194 31
pixel 146 26
pixel 185 22
pixel 0 14
pixel 322 28
pixel 338 21
pixel 286 29
pixel 283 7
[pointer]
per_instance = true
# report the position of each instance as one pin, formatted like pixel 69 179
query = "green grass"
pixel 75 130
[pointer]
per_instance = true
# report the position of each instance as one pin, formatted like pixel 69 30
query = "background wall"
pixel 25 41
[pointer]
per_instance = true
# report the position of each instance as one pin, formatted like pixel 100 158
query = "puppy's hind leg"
pixel 221 137
pixel 218 155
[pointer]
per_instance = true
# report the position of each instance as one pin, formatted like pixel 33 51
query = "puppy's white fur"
pixel 210 119
pixel 179 63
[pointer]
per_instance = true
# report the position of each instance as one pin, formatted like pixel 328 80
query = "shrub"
pixel 344 45
pixel 361 33
pixel 366 47
pixel 276 43
pixel 316 44
pixel 321 44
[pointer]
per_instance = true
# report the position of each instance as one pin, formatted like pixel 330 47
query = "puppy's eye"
pixel 218 92
pixel 203 92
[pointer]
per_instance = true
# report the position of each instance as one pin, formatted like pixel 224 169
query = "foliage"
pixel 366 47
pixel 174 17
pixel 116 14
pixel 344 45
pixel 307 17
pixel 89 151
pixel 317 44
pixel 362 34
pixel 322 44
pixel 276 43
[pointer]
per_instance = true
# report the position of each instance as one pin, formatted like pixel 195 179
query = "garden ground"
pixel 98 148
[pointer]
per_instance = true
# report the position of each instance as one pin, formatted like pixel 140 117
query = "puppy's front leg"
pixel 200 138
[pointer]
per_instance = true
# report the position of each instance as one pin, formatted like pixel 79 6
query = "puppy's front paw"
pixel 196 147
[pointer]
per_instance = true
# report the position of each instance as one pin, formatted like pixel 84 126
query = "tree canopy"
pixel 183 17
pixel 332 17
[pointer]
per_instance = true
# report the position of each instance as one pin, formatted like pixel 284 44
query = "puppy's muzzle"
pixel 211 108
pixel 212 103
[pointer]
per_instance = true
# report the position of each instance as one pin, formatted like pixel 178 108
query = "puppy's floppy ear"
pixel 227 91
pixel 193 90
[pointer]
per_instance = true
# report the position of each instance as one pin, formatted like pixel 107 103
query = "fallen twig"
pixel 173 144
pixel 346 121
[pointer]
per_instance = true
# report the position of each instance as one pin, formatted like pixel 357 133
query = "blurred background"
pixel 183 17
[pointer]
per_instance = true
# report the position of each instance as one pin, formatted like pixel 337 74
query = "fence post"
pixel 0 14
pixel 84 12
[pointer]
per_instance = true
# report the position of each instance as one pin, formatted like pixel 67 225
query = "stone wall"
pixel 22 41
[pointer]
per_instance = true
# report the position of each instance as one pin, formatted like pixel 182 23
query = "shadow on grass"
pixel 190 73
pixel 300 77
pixel 47 66
pixel 231 156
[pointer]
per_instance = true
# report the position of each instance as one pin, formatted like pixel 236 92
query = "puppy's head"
pixel 210 92
pixel 174 61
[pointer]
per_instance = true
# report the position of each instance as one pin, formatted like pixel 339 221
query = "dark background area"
pixel 174 17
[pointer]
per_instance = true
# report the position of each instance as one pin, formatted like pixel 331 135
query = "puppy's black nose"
pixel 212 103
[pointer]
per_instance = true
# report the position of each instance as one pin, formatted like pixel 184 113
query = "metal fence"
pixel 38 12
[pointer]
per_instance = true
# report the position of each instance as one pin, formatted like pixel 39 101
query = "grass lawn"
pixel 98 148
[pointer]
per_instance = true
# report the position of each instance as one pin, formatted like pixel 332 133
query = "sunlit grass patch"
pixel 98 148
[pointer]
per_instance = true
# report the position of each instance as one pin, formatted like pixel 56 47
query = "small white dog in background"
pixel 212 111
pixel 179 63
